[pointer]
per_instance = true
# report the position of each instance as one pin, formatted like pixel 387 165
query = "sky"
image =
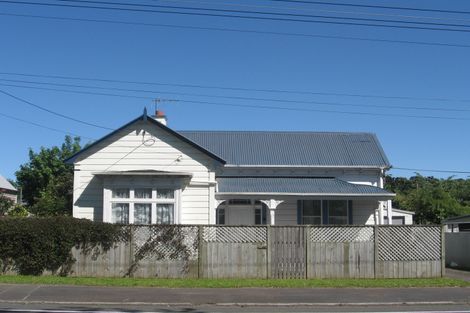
pixel 414 96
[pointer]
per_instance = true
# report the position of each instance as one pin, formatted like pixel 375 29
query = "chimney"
pixel 160 117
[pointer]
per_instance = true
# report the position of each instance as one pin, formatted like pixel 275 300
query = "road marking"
pixel 30 293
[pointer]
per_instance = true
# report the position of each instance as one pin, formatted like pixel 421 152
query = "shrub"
pixel 33 245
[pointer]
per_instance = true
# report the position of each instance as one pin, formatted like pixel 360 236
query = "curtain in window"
pixel 165 214
pixel 142 213
pixel 143 193
pixel 120 213
pixel 165 194
pixel 121 193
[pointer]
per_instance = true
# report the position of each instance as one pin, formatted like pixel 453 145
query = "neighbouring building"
pixel 400 217
pixel 7 189
pixel 457 224
pixel 148 173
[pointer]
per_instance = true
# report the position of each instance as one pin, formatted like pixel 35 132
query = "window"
pixel 143 205
pixel 221 216
pixel 260 213
pixel 311 212
pixel 338 212
pixel 330 212
pixel 120 213
pixel 239 202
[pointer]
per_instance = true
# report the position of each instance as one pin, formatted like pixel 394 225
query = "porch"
pixel 299 201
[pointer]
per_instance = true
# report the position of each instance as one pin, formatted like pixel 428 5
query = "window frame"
pixel 325 211
pixel 132 200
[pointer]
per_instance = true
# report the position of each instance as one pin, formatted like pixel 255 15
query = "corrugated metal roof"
pixel 457 220
pixel 5 184
pixel 292 148
pixel 288 185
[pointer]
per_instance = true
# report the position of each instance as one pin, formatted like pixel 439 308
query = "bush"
pixel 33 245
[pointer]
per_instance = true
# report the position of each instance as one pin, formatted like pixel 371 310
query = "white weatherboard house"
pixel 147 173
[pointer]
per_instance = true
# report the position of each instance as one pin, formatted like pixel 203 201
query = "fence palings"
pixel 208 251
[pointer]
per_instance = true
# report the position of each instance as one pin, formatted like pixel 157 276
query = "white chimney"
pixel 160 117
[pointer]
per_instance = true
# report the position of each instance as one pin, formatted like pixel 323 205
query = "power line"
pixel 240 97
pixel 52 112
pixel 234 30
pixel 259 13
pixel 43 126
pixel 242 16
pixel 303 9
pixel 264 107
pixel 199 86
pixel 374 6
pixel 429 170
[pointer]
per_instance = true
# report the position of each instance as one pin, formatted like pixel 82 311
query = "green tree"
pixel 46 181
pixel 430 198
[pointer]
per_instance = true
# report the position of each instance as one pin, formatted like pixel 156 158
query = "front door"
pixel 240 215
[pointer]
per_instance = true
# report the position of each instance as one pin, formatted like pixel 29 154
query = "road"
pixel 21 298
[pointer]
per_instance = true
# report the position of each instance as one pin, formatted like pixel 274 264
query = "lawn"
pixel 235 283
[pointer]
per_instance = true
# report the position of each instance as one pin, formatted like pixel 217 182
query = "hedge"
pixel 34 245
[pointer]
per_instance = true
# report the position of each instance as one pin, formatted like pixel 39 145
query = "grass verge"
pixel 235 283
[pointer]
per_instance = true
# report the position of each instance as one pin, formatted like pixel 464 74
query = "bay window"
pixel 142 205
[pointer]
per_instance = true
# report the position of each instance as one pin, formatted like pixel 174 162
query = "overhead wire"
pixel 233 16
pixel 305 9
pixel 43 126
pixel 52 112
pixel 232 88
pixel 326 103
pixel 235 30
pixel 133 5
pixel 370 6
pixel 264 107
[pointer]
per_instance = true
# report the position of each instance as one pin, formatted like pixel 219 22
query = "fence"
pixel 180 251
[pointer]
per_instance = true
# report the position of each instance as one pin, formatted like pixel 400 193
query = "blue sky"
pixel 243 60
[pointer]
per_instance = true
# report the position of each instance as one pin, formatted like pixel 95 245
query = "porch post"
pixel 389 212
pixel 272 205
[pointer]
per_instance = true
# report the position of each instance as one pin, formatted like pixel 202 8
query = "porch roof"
pixel 300 186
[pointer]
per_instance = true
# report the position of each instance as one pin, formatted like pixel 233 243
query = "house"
pixel 457 224
pixel 147 173
pixel 400 217
pixel 7 189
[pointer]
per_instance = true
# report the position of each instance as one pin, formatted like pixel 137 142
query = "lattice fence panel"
pixel 249 234
pixel 165 242
pixel 409 243
pixel 341 234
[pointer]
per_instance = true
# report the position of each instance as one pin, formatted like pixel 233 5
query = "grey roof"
pixel 5 184
pixel 457 220
pixel 294 185
pixel 292 148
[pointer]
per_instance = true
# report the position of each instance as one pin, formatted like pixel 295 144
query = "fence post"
pixel 268 251
pixel 306 239
pixel 131 250
pixel 376 250
pixel 443 251
pixel 199 251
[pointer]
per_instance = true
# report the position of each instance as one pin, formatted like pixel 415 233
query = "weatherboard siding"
pixel 143 146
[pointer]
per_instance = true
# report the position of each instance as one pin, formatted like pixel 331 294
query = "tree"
pixel 46 181
pixel 432 199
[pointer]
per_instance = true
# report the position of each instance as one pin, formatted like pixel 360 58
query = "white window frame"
pixel 108 200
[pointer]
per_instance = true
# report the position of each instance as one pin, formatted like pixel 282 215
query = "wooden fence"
pixel 286 252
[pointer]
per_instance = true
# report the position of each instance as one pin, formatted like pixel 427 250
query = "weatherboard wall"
pixel 144 146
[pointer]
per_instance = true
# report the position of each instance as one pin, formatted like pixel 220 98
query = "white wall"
pixel 143 146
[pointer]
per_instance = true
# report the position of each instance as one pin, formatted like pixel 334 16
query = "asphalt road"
pixel 86 299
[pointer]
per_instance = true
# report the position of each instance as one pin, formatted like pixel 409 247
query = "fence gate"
pixel 287 252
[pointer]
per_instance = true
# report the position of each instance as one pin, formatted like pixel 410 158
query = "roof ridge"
pixel 273 131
